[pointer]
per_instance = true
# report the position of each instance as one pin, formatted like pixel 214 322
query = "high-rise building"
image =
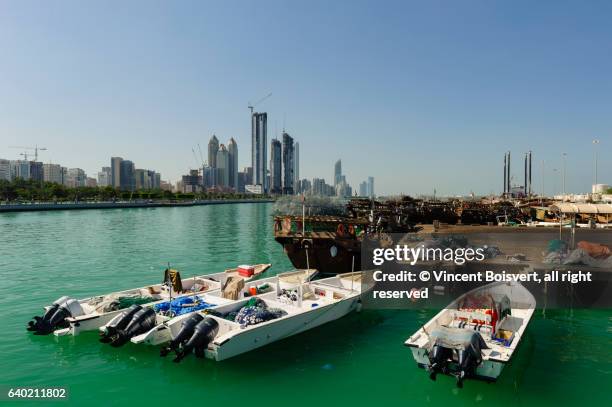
pixel 64 171
pixel 209 176
pixel 213 148
pixel 223 167
pixel 91 182
pixel 52 173
pixel 36 171
pixel 337 172
pixel 116 171
pixel 248 177
pixel 20 169
pixel 76 178
pixel 232 155
pixel 5 169
pixel 275 167
pixel 105 177
pixel 288 164
pixel 259 140
pixel 127 176
pixel 142 179
pixel 241 182
pixel 370 189
pixel 296 169
pixel 363 189
pixel 191 182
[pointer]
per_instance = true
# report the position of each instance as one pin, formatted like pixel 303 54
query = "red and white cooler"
pixel 246 271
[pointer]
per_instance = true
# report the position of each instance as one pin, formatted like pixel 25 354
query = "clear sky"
pixel 417 94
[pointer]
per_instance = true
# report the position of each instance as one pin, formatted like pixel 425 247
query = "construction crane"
pixel 251 106
pixel 35 148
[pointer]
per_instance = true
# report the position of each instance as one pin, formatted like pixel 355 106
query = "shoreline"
pixel 34 207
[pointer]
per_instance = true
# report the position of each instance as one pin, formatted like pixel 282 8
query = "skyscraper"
pixel 5 169
pixel 20 169
pixel 275 167
pixel 232 155
pixel 337 172
pixel 52 173
pixel 140 177
pixel 222 167
pixel 370 189
pixel 259 140
pixel 36 171
pixel 363 189
pixel 288 164
pixel 116 171
pixel 296 169
pixel 213 147
pixel 76 177
pixel 104 177
pixel 127 175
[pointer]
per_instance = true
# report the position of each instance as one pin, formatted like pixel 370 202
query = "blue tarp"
pixel 180 306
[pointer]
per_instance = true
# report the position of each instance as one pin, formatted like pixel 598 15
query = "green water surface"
pixel 564 359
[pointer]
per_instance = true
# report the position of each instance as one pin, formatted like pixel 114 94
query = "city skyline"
pixel 444 92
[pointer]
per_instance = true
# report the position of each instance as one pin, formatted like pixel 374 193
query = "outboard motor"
pixel 33 325
pixel 142 321
pixel 118 323
pixel 55 316
pixel 187 328
pixel 438 360
pixel 203 333
pixel 467 363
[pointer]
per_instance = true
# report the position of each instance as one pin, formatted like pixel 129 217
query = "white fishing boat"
pixel 138 320
pixel 476 335
pixel 228 330
pixel 69 316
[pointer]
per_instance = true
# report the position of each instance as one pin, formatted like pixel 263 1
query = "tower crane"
pixel 35 148
pixel 251 106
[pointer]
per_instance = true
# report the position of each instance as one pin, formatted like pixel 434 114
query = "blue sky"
pixel 417 94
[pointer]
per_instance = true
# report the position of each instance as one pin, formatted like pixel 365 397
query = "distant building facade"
pixel 337 172
pixel 276 167
pixel 127 175
pixel 116 171
pixel 296 169
pixel 232 157
pixel 104 177
pixel 259 137
pixel 288 164
pixel 223 167
pixel 53 173
pixel 213 148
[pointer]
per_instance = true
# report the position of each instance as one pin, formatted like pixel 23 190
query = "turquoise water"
pixel 565 357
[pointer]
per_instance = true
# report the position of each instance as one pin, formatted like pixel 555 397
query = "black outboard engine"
pixel 187 328
pixel 142 321
pixel 203 333
pixel 467 363
pixel 55 316
pixel 438 360
pixel 119 323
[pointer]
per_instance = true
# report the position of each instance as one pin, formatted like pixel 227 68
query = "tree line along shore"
pixel 20 190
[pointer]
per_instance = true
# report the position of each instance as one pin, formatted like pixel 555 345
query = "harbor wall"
pixel 50 206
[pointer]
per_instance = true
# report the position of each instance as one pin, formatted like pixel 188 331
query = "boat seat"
pixel 510 323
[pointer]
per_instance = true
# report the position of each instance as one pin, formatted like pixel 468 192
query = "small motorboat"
pixel 148 321
pixel 476 335
pixel 227 330
pixel 70 316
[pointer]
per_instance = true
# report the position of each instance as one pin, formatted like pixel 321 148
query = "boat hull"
pixel 321 256
pixel 266 333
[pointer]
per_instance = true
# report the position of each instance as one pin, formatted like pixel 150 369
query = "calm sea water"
pixel 565 357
